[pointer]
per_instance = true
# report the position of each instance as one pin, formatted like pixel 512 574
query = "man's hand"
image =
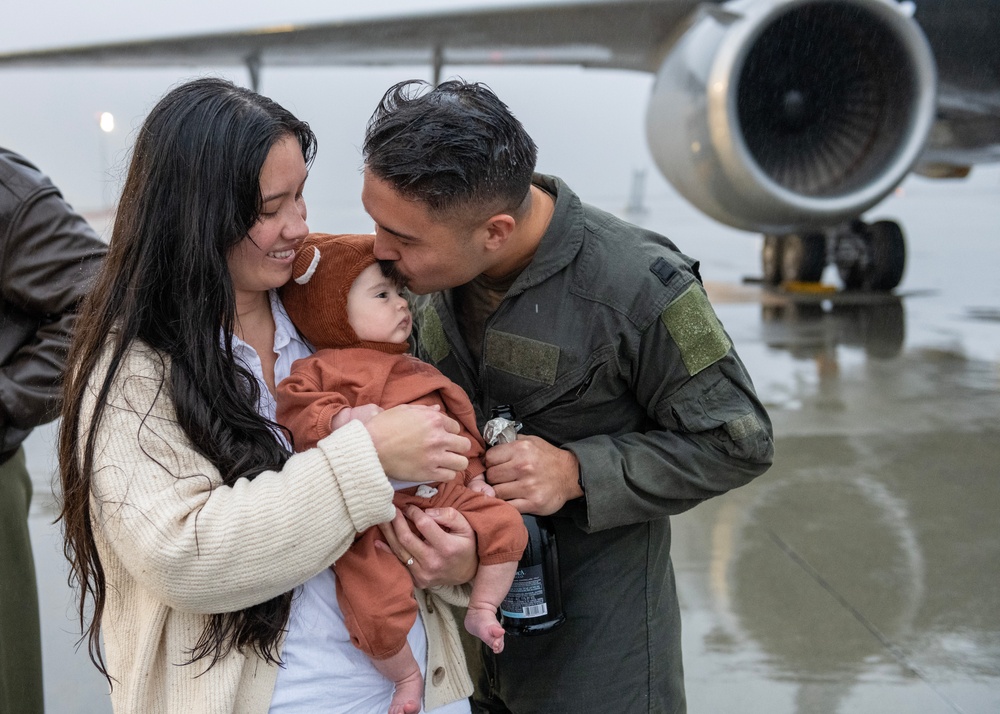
pixel 533 475
pixel 443 547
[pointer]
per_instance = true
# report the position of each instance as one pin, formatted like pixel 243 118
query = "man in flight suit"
pixel 635 405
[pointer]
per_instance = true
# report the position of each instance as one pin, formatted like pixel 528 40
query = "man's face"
pixel 432 254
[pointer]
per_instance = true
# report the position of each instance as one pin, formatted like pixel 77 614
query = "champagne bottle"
pixel 533 606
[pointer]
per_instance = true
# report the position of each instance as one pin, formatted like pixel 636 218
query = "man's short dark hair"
pixel 390 271
pixel 455 147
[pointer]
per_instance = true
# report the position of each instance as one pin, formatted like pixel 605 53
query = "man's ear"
pixel 499 229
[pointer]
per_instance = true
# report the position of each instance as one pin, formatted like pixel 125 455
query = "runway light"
pixel 107 122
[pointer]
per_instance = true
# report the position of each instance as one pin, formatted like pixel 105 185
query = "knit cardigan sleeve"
pixel 200 546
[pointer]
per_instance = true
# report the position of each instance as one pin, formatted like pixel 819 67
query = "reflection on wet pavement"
pixel 860 573
pixel 814 329
pixel 860 569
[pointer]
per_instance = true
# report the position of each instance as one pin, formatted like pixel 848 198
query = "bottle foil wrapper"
pixel 501 431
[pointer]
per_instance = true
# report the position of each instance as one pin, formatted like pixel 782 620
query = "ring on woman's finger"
pixel 409 562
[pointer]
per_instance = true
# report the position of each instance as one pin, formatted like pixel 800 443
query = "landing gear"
pixel 803 257
pixel 770 258
pixel 871 256
pixel 796 257
pixel 868 256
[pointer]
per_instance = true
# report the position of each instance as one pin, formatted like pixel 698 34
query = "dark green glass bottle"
pixel 533 606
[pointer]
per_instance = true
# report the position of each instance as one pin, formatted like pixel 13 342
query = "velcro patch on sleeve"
pixel 698 333
pixel 432 337
pixel 743 427
pixel 522 356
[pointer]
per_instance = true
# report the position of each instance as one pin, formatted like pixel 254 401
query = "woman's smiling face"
pixel 263 260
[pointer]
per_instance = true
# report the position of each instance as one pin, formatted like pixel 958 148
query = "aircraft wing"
pixel 623 34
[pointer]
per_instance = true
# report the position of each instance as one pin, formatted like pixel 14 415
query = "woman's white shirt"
pixel 323 671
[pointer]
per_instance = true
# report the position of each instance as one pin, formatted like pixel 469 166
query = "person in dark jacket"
pixel 599 334
pixel 48 257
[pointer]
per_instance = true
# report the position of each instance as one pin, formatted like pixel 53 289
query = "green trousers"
pixel 20 632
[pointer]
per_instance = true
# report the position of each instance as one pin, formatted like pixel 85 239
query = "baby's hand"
pixel 479 485
pixel 362 413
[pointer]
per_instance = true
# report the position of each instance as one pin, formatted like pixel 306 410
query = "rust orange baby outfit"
pixel 374 588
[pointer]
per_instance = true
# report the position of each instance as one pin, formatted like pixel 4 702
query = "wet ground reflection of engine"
pixel 860 562
pixel 872 594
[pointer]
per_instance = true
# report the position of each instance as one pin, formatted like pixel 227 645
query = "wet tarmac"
pixel 860 574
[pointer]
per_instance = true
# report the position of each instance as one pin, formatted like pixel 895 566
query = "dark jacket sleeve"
pixel 49 257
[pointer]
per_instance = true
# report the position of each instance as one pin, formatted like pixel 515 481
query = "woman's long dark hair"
pixel 192 193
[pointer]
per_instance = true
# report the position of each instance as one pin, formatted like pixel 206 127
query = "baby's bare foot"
pixel 483 623
pixel 407 694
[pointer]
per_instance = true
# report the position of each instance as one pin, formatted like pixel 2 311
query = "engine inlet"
pixel 824 98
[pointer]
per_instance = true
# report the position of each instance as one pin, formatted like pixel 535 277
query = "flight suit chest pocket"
pixel 574 400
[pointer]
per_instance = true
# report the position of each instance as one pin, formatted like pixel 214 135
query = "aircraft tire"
pixel 803 257
pixel 887 250
pixel 880 268
pixel 851 275
pixel 770 259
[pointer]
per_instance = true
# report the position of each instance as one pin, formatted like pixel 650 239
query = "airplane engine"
pixel 786 116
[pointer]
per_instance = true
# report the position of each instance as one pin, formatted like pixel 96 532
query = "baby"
pixel 358 319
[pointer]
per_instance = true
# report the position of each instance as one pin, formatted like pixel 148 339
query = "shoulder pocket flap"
pixel 712 406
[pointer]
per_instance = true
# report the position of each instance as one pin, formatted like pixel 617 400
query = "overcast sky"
pixel 588 124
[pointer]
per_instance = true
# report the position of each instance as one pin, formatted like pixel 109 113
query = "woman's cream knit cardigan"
pixel 176 544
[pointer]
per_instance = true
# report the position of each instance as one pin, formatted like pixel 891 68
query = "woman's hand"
pixel 418 443
pixel 443 547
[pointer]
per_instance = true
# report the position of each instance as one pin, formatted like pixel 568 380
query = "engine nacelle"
pixel 787 115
